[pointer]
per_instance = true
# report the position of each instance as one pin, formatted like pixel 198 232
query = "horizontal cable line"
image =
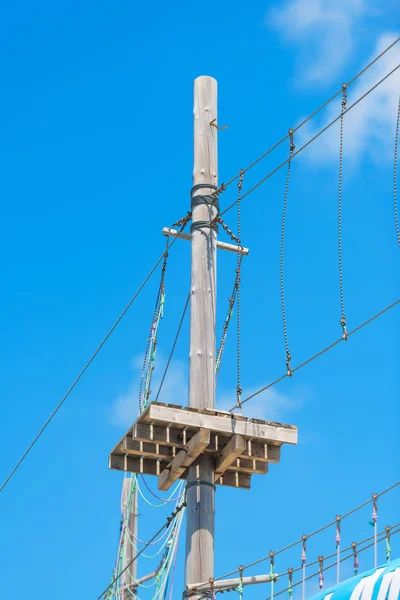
pixel 320 353
pixel 368 539
pixel 310 535
pixel 251 190
pixel 164 526
pixel 89 362
pixel 265 154
pixel 173 346
pixel 315 574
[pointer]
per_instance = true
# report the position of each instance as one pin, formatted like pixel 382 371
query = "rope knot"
pixel 292 146
pixel 288 359
pixel 344 327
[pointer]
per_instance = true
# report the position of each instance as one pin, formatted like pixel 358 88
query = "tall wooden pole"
pixel 200 481
pixel 130 576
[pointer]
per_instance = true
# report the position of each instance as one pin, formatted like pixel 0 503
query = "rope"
pixel 320 353
pixel 356 562
pixel 340 201
pixel 325 568
pixel 374 523
pixel 321 572
pixel 290 586
pixel 240 586
pixel 89 362
pixel 169 499
pixel 310 141
pixel 303 565
pixel 149 355
pixel 221 348
pixel 330 566
pixel 304 538
pixel 282 256
pixel 338 540
pixel 388 546
pixel 265 154
pixel 165 525
pixel 272 576
pixel 173 347
pixel 396 152
pixel 237 284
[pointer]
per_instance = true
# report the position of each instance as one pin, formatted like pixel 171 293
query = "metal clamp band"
pixel 200 224
pixel 200 482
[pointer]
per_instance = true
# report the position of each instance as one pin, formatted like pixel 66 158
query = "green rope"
pixel 272 579
pixel 388 549
pixel 240 586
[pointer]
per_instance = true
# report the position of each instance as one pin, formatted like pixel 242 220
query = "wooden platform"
pixel 166 439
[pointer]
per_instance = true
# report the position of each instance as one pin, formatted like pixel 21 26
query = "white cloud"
pixel 368 126
pixel 330 41
pixel 324 31
pixel 270 405
pixel 174 391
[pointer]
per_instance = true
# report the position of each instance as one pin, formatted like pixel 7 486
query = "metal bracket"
pixel 214 124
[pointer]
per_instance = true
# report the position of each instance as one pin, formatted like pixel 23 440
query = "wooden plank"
pixel 159 434
pixel 237 480
pixel 184 459
pixel 134 464
pixel 185 418
pixel 116 462
pixel 263 452
pixel 232 450
pixel 245 465
pixel 148 449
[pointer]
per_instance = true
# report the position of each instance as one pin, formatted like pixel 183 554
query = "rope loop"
pixel 240 586
pixel 304 549
pixel 338 527
pixel 290 586
pixel 388 546
pixel 356 562
pixel 321 572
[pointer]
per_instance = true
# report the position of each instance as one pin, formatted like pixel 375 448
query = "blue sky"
pixel 96 155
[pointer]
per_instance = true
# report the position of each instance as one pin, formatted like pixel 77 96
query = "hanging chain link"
pixel 240 586
pixel 321 572
pixel 388 546
pixel 356 562
pixel 225 329
pixel 151 344
pixel 396 153
pixel 235 294
pixel 340 199
pixel 237 283
pixel 145 378
pixel 290 586
pixel 282 255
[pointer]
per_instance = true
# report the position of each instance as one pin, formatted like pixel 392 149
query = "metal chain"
pixel 183 222
pixel 237 285
pixel 142 401
pixel 340 199
pixel 396 152
pixel 225 328
pixel 282 255
pixel 225 227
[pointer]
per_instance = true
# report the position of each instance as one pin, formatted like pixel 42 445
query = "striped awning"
pixel 382 583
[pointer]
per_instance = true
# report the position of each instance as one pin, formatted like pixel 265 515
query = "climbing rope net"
pixel 281 582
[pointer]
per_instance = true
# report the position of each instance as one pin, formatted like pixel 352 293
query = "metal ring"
pixel 200 482
pixel 200 224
